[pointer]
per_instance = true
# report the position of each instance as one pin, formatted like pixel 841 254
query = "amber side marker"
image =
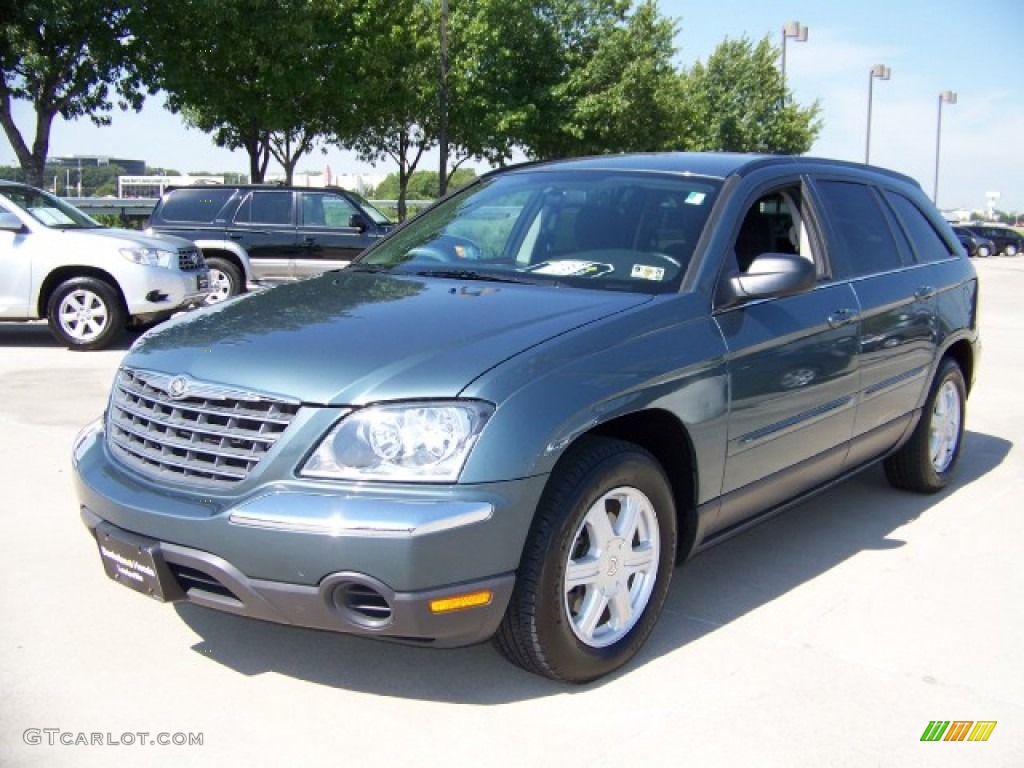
pixel 460 602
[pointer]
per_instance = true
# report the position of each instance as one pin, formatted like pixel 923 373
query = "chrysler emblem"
pixel 178 387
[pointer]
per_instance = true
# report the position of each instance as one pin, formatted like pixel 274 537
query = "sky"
pixel 974 48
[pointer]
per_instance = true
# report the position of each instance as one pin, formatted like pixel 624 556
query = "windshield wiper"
pixel 472 274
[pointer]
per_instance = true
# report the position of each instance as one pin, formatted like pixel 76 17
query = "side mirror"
pixel 10 223
pixel 770 275
pixel 358 221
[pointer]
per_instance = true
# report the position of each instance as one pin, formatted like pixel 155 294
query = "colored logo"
pixel 958 730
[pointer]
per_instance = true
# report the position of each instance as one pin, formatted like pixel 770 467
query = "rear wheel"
pixel 926 462
pixel 984 252
pixel 225 279
pixel 86 313
pixel 596 567
pixel 1011 249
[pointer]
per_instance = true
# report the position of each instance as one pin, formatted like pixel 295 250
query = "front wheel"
pixel 1011 249
pixel 596 567
pixel 225 279
pixel 925 463
pixel 984 252
pixel 86 313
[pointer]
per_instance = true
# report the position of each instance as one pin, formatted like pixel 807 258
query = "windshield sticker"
pixel 695 198
pixel 573 268
pixel 645 272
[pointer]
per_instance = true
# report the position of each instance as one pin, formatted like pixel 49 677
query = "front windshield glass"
pixel 598 229
pixel 47 209
pixel 373 213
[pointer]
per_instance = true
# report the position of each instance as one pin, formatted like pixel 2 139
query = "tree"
pixel 399 107
pixel 621 92
pixel 65 58
pixel 737 102
pixel 260 75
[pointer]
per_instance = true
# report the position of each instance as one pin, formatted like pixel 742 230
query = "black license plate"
pixel 136 562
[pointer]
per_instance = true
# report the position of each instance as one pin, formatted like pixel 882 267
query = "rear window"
pixel 864 243
pixel 201 204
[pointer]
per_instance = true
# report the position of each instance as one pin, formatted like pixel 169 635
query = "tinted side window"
pixel 201 204
pixel 865 244
pixel 325 210
pixel 266 208
pixel 927 244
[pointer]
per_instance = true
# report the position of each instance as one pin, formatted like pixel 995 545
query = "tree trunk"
pixel 32 162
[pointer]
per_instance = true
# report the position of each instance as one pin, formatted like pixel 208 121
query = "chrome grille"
pixel 190 260
pixel 174 427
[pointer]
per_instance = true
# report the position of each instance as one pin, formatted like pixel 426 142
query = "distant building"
pixel 354 182
pixel 154 186
pixel 133 167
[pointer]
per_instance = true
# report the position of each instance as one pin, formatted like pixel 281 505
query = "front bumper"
pixel 348 602
pixel 151 290
pixel 317 555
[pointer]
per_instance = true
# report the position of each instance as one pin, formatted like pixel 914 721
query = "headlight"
pixel 425 442
pixel 150 257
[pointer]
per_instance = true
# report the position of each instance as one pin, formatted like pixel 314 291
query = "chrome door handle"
pixel 842 317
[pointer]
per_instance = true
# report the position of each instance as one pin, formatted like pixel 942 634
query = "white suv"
pixel 88 281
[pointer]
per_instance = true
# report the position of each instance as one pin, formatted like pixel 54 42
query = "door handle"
pixel 842 317
pixel 924 293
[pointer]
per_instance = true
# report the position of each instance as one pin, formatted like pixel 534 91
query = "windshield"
pixel 597 229
pixel 47 209
pixel 369 210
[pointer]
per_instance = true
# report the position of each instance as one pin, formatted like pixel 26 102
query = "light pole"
pixel 946 97
pixel 798 33
pixel 882 72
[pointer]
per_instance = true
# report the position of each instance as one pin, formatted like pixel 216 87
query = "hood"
pixel 125 239
pixel 354 337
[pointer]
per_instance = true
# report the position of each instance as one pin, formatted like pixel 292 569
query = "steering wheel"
pixel 446 249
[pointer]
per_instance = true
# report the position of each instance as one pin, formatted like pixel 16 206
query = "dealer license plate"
pixel 136 562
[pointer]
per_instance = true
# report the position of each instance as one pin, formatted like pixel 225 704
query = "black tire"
pixel 926 462
pixel 86 313
pixel 225 279
pixel 573 634
pixel 983 252
pixel 1011 249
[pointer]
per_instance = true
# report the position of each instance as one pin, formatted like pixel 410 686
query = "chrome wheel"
pixel 944 429
pixel 612 567
pixel 83 315
pixel 220 286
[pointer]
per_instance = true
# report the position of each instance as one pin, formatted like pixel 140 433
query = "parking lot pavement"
pixel 832 635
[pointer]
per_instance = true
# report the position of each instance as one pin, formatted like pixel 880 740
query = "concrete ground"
pixel 831 636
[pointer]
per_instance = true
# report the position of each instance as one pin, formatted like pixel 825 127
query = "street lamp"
pixel 796 31
pixel 946 97
pixel 882 72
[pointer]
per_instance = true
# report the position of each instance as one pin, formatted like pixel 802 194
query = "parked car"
pixel 264 235
pixel 975 245
pixel 513 417
pixel 1007 241
pixel 88 281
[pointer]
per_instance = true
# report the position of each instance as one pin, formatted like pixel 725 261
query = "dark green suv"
pixel 514 416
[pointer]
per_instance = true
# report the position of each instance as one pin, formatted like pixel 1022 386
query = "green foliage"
pixel 621 93
pixel 737 102
pixel 422 185
pixel 260 75
pixel 67 58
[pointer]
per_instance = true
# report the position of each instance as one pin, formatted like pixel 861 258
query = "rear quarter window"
pixel 926 243
pixel 194 205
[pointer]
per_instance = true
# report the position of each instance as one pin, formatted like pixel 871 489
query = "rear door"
pixel 897 302
pixel 264 225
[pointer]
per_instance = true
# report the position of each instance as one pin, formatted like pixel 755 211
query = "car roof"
pixel 718 165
